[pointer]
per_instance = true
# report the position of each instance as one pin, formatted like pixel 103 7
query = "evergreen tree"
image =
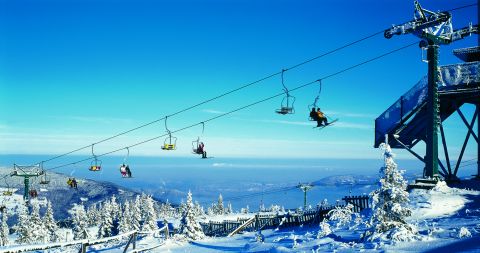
pixel 125 223
pixel 220 208
pixel 38 231
pixel 22 228
pixel 80 223
pixel 50 223
pixel 390 204
pixel 106 222
pixel 189 227
pixel 116 211
pixel 229 209
pixel 4 230
pixel 92 215
pixel 150 215
pixel 165 209
pixel 135 214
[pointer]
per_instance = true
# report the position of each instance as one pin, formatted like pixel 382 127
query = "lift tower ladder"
pixel 434 28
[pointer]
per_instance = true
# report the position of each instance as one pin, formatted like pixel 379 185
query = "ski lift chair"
pixel 196 148
pixel 286 106
pixel 44 179
pixel 96 165
pixel 168 144
pixel 8 192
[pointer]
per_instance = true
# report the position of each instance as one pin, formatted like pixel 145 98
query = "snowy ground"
pixel 439 215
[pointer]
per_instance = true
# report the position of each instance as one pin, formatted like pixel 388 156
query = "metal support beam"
pixel 478 142
pixel 470 129
pixel 409 149
pixel 443 169
pixel 445 150
pixel 431 157
pixel 470 126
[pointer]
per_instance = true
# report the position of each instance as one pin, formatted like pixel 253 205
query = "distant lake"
pixel 241 181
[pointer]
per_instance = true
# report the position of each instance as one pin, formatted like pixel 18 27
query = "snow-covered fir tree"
pixel 150 215
pixel 125 223
pixel 106 222
pixel 166 209
pixel 79 222
pixel 38 231
pixel 50 223
pixel 220 208
pixel 390 204
pixel 198 209
pixel 92 215
pixel 189 227
pixel 4 230
pixel 116 208
pixel 135 214
pixel 22 228
pixel 229 209
pixel 116 211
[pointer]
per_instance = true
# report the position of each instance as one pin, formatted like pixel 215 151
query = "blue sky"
pixel 75 72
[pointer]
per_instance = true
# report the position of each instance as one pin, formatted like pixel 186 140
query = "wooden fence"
pixel 269 221
pixel 359 202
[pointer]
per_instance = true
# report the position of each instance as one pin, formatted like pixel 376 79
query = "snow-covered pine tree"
pixel 390 204
pixel 220 208
pixel 150 220
pixel 4 230
pixel 92 215
pixel 198 209
pixel 50 223
pixel 79 222
pixel 39 233
pixel 116 212
pixel 229 209
pixel 189 227
pixel 166 209
pixel 106 223
pixel 143 199
pixel 125 223
pixel 135 214
pixel 211 210
pixel 22 228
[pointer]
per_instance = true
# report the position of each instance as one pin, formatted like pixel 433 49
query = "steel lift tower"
pixel 435 29
pixel 27 172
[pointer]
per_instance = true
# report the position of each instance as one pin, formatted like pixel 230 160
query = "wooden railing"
pixel 85 243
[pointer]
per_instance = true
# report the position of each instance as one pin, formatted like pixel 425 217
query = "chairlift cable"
pixel 238 88
pixel 221 95
pixel 245 106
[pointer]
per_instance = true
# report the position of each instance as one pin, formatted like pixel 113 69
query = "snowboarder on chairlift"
pixel 74 183
pixel 129 172
pixel 321 118
pixel 123 170
pixel 201 150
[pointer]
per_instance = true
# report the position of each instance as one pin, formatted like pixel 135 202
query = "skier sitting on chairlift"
pixel 200 150
pixel 319 117
pixel 129 172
